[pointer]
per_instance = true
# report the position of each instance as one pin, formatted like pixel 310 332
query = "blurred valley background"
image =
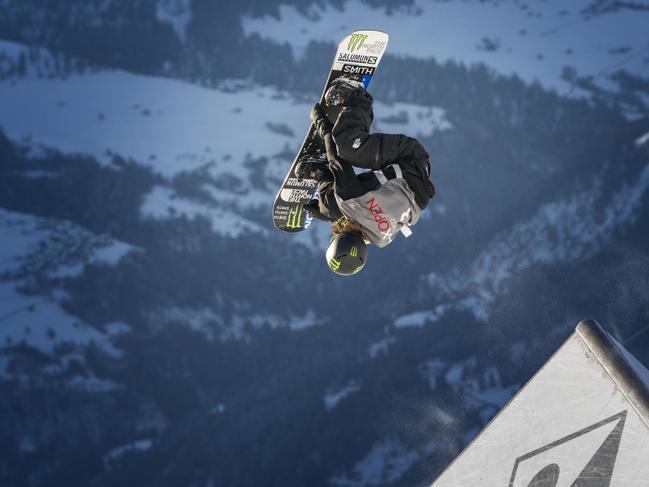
pixel 156 330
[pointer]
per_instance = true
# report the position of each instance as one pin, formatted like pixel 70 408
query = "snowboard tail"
pixel 357 57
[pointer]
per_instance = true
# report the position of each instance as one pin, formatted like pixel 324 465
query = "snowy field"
pixel 177 127
pixel 169 125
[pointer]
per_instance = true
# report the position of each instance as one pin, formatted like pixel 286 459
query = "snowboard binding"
pixel 312 169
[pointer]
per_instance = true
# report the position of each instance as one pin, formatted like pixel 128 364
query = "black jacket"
pixel 352 143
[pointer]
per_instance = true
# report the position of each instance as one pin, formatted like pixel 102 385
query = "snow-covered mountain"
pixel 157 330
pixel 540 41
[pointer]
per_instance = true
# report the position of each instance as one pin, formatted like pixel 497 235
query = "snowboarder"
pixel 373 206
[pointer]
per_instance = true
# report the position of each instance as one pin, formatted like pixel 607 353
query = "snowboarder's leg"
pixel 355 144
pixel 328 208
pixel 346 183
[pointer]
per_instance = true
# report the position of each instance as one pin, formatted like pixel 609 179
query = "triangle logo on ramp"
pixel 585 458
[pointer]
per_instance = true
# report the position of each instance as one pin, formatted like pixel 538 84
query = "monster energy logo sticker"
pixel 354 252
pixel 357 269
pixel 356 42
pixel 294 218
pixel 334 264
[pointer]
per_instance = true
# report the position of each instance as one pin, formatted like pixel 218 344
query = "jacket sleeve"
pixel 325 207
pixel 355 144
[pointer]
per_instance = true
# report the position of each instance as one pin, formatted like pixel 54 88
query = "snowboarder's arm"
pixel 318 209
pixel 325 207
pixel 355 144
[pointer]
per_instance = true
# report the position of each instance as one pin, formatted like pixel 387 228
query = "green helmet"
pixel 347 253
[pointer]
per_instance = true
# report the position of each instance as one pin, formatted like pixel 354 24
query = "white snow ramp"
pixel 581 421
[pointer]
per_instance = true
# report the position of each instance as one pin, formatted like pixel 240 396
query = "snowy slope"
pixel 534 40
pixel 171 126
pixel 168 125
pixel 560 232
pixel 36 249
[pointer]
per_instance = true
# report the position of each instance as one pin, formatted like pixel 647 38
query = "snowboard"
pixel 357 57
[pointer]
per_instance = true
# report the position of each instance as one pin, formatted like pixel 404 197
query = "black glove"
pixel 319 118
pixel 419 152
pixel 410 147
pixel 421 160
pixel 313 207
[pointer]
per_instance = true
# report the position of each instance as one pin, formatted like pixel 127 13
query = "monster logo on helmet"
pixel 347 253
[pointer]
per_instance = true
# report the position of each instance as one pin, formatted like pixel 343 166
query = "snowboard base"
pixel 357 57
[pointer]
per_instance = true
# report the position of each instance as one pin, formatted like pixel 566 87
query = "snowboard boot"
pixel 312 169
pixel 342 89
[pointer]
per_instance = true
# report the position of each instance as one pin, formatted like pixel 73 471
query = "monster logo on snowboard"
pixel 357 58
